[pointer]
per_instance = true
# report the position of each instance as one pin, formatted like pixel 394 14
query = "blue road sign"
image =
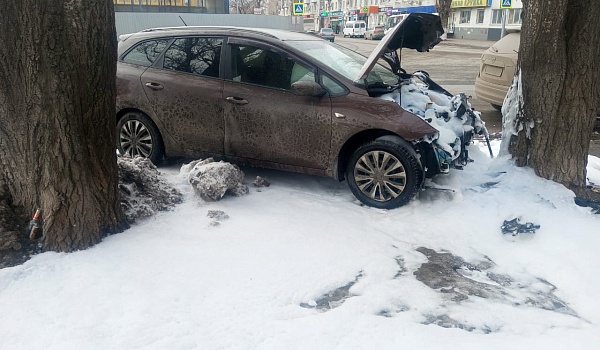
pixel 506 4
pixel 298 8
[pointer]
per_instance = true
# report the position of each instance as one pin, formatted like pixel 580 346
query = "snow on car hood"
pixel 451 116
pixel 418 31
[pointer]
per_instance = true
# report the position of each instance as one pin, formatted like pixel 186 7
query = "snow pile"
pixel 143 189
pixel 212 180
pixel 593 171
pixel 512 114
pixel 443 112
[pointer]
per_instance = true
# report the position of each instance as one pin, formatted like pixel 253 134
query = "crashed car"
pixel 291 101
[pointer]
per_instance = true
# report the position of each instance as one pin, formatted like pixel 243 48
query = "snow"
pixel 439 110
pixel 256 280
pixel 511 112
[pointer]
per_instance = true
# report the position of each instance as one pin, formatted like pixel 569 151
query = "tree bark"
pixel 558 61
pixel 443 9
pixel 57 117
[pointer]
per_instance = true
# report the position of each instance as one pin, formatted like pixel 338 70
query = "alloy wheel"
pixel 380 175
pixel 135 139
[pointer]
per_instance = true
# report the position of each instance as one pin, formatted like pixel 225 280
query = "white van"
pixel 355 28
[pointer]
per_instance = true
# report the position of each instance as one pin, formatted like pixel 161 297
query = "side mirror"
pixel 308 88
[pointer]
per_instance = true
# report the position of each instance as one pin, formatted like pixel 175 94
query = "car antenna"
pixel 183 21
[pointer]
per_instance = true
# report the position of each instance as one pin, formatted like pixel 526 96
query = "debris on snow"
pixel 514 227
pixel 459 280
pixel 143 189
pixel 582 202
pixel 217 216
pixel 261 182
pixel 212 180
pixel 332 299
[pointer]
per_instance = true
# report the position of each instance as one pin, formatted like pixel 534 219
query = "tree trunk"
pixel 560 89
pixel 443 9
pixel 57 117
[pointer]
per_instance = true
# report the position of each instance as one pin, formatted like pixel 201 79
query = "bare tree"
pixel 443 9
pixel 242 6
pixel 57 117
pixel 560 85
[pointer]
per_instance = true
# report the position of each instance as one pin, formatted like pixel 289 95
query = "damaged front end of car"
pixel 451 115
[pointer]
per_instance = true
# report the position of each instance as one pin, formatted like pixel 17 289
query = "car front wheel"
pixel 138 136
pixel 384 174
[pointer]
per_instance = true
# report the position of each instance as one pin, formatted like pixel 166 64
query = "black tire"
pixel 137 135
pixel 497 107
pixel 396 185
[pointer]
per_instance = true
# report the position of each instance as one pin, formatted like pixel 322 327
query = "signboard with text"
pixel 471 3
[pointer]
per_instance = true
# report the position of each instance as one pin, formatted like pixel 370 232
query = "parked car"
pixel 291 101
pixel 327 34
pixel 497 69
pixel 376 32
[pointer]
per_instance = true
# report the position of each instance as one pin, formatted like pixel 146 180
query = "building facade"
pixel 333 13
pixel 482 19
pixel 469 19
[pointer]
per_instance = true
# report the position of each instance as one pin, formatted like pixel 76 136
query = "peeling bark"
pixel 57 117
pixel 561 88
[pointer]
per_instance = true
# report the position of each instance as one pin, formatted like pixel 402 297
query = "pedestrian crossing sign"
pixel 506 4
pixel 298 9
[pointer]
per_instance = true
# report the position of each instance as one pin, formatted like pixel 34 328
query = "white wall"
pixel 131 22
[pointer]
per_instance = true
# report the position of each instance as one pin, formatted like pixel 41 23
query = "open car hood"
pixel 419 31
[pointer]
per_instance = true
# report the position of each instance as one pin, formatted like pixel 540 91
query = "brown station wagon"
pixel 286 100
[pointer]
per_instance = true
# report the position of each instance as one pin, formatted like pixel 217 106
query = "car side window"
pixel 199 56
pixel 334 87
pixel 145 53
pixel 264 67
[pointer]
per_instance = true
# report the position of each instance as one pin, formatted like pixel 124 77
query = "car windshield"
pixel 345 61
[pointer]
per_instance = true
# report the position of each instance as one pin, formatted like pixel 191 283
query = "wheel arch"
pixel 357 140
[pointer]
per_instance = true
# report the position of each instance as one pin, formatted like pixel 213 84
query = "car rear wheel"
pixel 384 174
pixel 137 135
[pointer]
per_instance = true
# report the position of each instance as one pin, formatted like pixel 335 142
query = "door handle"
pixel 155 86
pixel 237 100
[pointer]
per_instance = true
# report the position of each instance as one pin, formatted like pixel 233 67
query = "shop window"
pixel 497 16
pixel 465 16
pixel 480 15
pixel 514 16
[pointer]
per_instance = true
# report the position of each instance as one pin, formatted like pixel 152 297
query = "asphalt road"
pixel 454 64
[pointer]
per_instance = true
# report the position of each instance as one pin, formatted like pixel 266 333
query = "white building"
pixel 482 19
pixel 332 13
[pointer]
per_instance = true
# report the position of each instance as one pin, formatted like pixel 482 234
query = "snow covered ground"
pixel 302 265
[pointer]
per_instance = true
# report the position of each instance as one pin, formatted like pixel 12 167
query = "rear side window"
pixel 363 25
pixel 145 53
pixel 199 56
pixel 268 68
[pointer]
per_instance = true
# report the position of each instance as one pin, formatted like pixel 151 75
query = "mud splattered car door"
pixel 185 90
pixel 267 123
